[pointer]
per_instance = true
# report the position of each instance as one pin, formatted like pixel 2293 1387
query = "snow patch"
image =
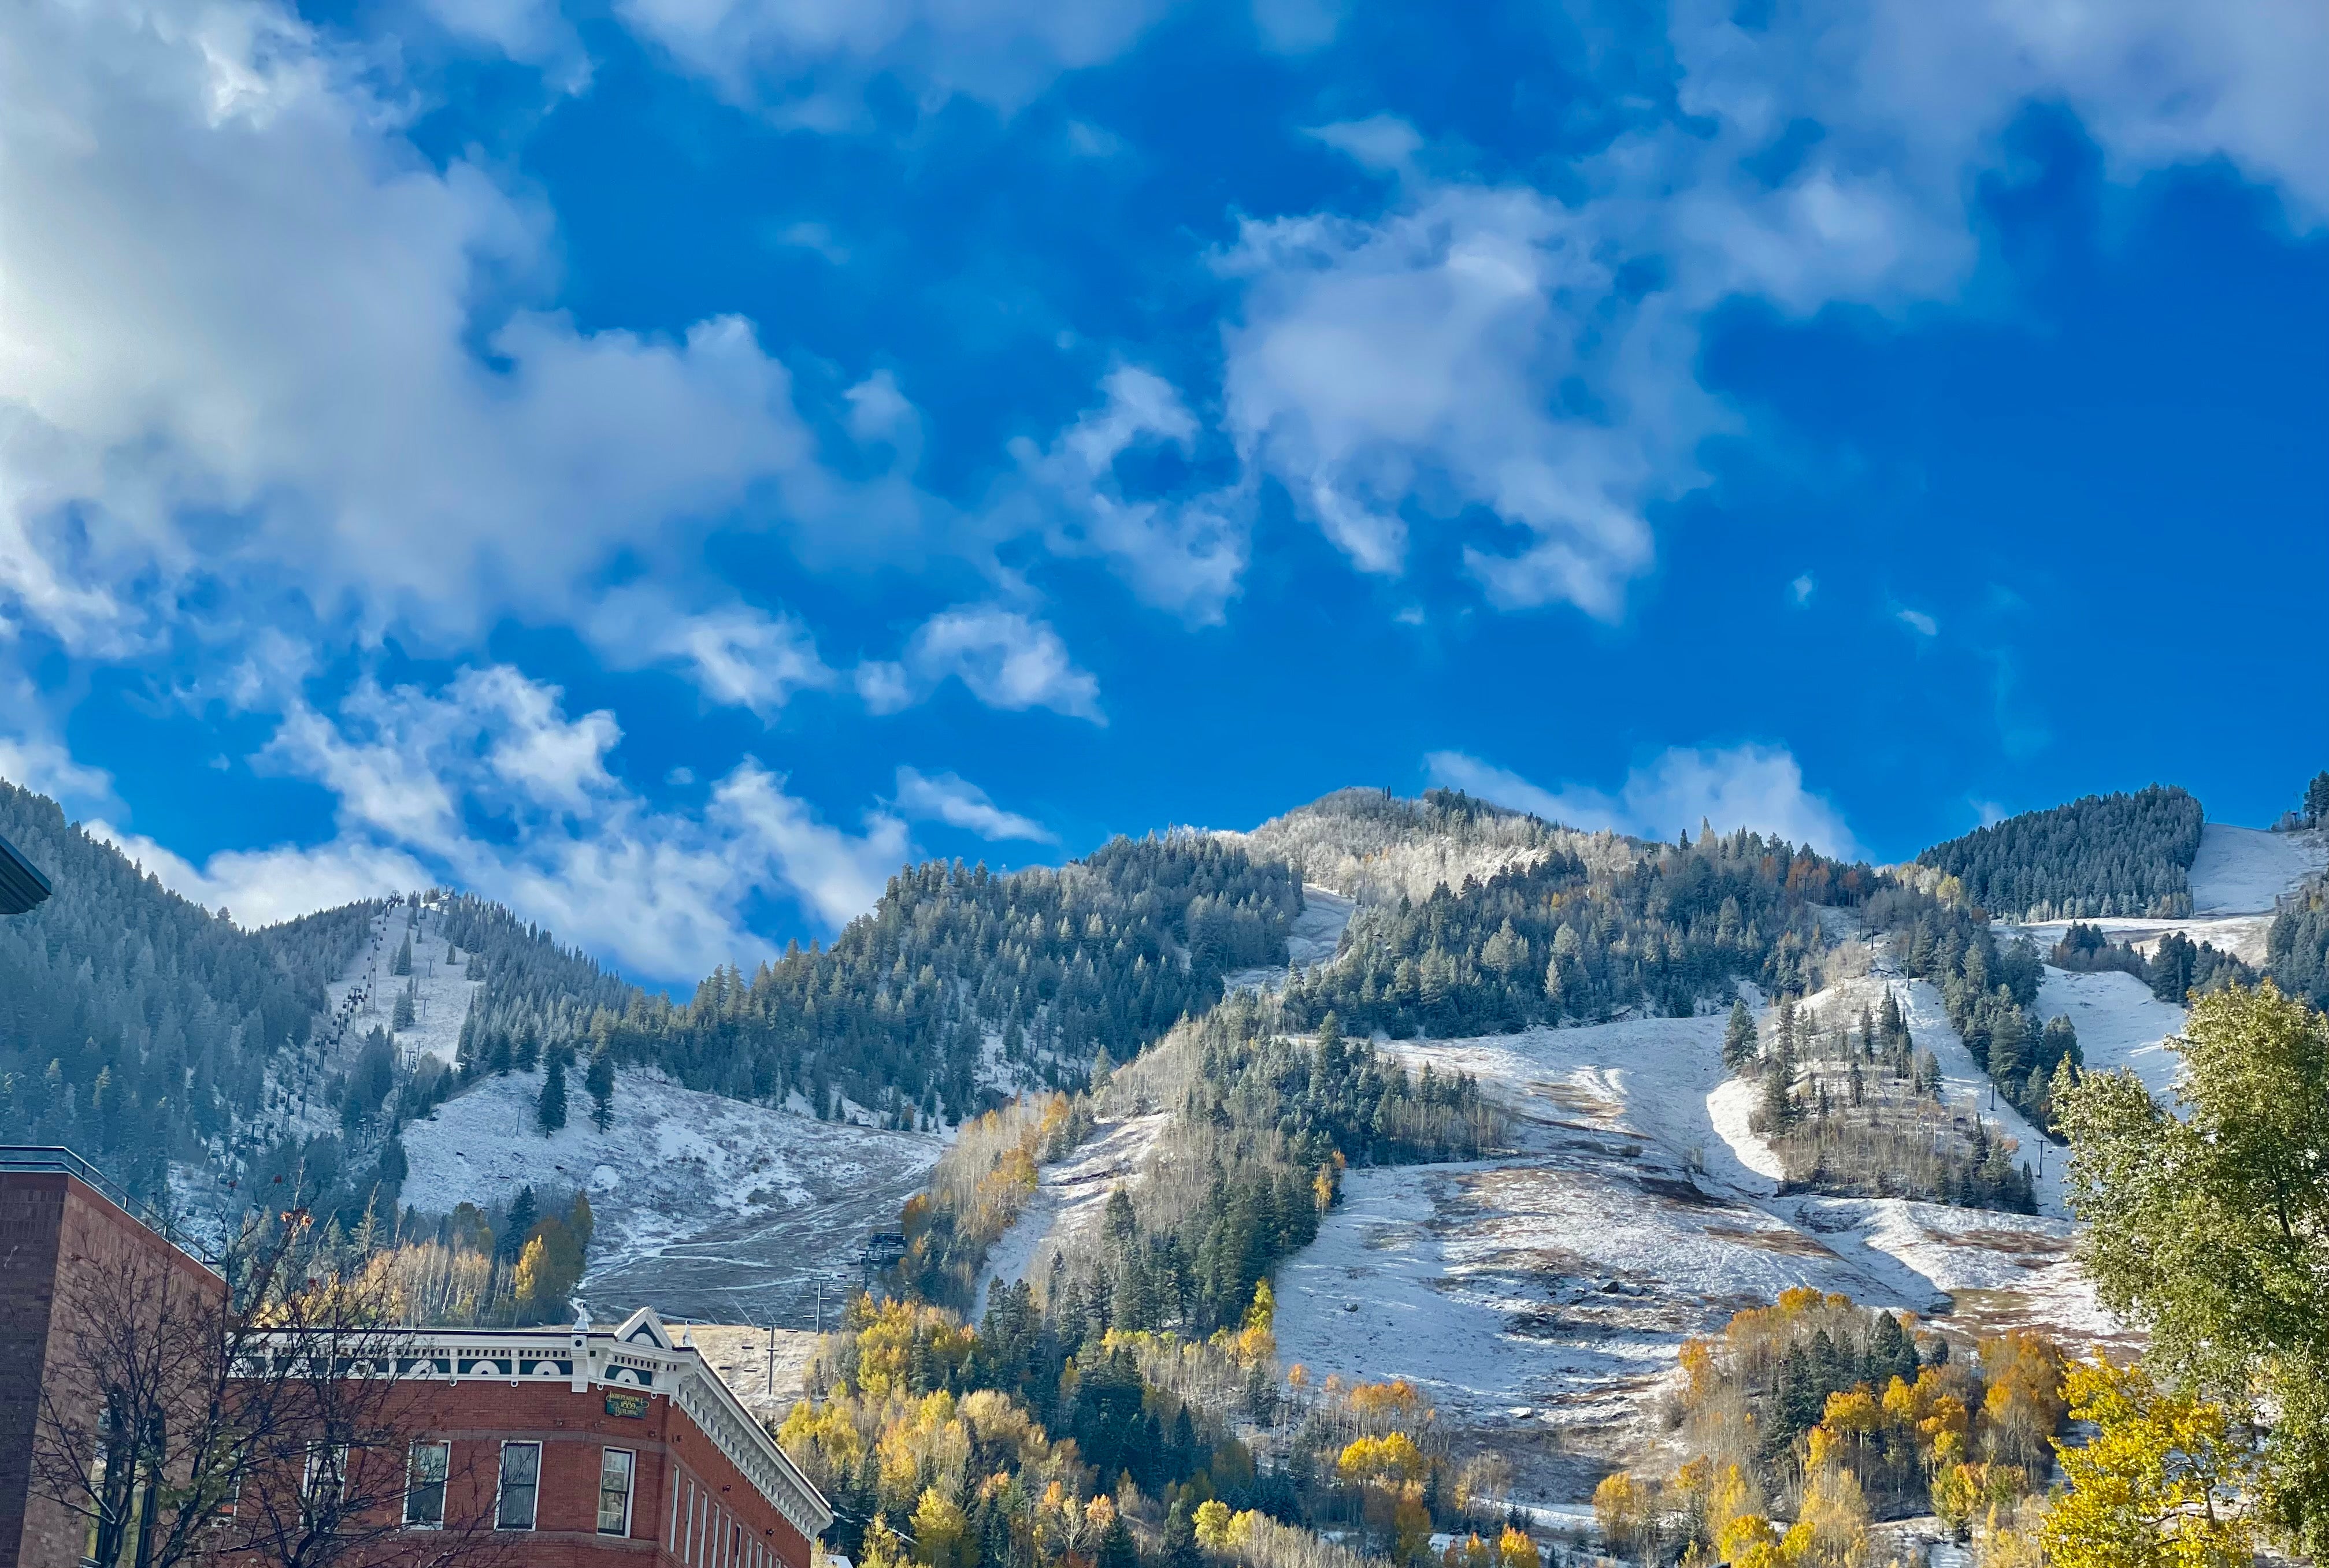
pixel 706 1206
pixel 1069 1196
pixel 2120 1023
pixel 2242 870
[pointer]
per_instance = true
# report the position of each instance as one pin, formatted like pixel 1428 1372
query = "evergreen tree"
pixel 520 1229
pixel 402 963
pixel 599 1080
pixel 2316 800
pixel 404 1014
pixel 549 1110
pixel 2102 855
pixel 1738 1037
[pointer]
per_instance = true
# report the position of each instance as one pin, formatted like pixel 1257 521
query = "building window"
pixel 521 1481
pixel 615 1466
pixel 325 1487
pixel 424 1484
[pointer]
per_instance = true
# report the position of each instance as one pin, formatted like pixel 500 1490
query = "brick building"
pixel 585 1447
pixel 58 1216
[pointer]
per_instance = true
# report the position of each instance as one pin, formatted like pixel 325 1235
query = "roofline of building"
pixel 56 1160
pixel 638 1355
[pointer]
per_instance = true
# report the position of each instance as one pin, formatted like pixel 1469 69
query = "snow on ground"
pixel 443 989
pixel 1069 1196
pixel 1541 1296
pixel 2241 936
pixel 2241 870
pixel 1965 1089
pixel 2120 1023
pixel 706 1206
pixel 1315 935
pixel 2236 878
pixel 765 1368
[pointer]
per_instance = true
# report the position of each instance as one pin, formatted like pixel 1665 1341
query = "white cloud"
pixel 242 356
pixel 1482 347
pixel 1409 368
pixel 1916 621
pixel 534 32
pixel 1298 26
pixel 1383 143
pixel 263 887
pixel 1802 588
pixel 1184 555
pixel 487 783
pixel 1006 660
pixel 739 654
pixel 958 803
pixel 41 765
pixel 1751 786
pixel 809 59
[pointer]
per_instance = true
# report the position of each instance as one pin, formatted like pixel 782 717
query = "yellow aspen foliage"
pixel 531 1284
pixel 1625 1506
pixel 2160 1484
pixel 2008 1536
pixel 1410 1524
pixel 1213 1522
pixel 1698 1368
pixel 1748 1541
pixel 1514 1549
pixel 1834 1516
pixel 1390 1459
pixel 942 1537
pixel 883 1547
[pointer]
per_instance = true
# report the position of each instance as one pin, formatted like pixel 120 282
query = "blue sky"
pixel 664 464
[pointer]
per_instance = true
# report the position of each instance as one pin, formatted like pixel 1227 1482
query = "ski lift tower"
pixel 21 885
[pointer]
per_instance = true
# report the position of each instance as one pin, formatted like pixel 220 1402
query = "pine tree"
pixel 403 961
pixel 402 1016
pixel 1738 1037
pixel 599 1080
pixel 520 1228
pixel 2316 800
pixel 549 1110
pixel 1779 1108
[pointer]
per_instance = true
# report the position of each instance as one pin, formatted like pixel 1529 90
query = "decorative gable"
pixel 643 1327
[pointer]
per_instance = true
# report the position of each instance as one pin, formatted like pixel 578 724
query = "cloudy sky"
pixel 666 462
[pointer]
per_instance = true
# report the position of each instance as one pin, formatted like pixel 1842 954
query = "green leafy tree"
pixel 2211 1229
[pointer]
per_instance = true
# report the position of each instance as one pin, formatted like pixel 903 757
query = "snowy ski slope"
pixel 1542 1298
pixel 706 1206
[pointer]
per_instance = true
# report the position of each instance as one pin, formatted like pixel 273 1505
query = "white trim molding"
pixel 639 1357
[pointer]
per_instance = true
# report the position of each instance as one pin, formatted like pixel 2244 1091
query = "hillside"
pixel 2100 854
pixel 135 1025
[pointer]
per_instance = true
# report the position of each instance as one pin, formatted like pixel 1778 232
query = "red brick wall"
pixel 52 1228
pixel 676 1463
pixel 48 1221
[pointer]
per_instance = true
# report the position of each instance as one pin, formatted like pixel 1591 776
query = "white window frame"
pixel 630 1489
pixel 310 1496
pixel 442 1482
pixel 501 1484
